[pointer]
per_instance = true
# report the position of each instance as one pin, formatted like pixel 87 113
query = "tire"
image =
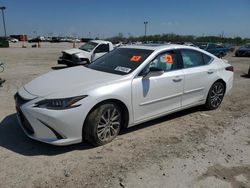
pixel 249 71
pixel 215 96
pixel 103 124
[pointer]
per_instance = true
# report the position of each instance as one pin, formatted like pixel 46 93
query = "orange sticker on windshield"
pixel 135 58
pixel 169 59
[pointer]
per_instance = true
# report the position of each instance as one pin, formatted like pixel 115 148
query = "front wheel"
pixel 215 95
pixel 103 124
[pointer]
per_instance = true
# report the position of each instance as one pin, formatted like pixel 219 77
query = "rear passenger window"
pixel 207 59
pixel 191 58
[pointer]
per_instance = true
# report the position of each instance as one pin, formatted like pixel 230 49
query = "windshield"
pixel 120 61
pixel 89 46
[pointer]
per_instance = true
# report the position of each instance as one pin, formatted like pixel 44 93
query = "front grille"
pixel 66 56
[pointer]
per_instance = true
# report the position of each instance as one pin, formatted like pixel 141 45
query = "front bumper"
pixel 65 62
pixel 56 127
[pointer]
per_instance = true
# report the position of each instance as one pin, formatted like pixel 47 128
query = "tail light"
pixel 230 68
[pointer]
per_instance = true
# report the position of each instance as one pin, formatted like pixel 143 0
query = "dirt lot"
pixel 192 148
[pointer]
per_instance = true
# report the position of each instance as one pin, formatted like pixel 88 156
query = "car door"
pixel 100 51
pixel 157 95
pixel 199 74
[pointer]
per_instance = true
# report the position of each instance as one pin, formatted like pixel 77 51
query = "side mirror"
pixel 153 71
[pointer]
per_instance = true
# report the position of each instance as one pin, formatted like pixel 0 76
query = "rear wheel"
pixel 103 124
pixel 215 95
pixel 249 71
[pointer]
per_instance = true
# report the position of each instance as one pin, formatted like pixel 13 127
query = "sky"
pixel 96 18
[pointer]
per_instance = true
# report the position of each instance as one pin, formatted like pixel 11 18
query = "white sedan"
pixel 128 86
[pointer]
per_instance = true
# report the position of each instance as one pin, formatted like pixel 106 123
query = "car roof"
pixel 100 41
pixel 156 47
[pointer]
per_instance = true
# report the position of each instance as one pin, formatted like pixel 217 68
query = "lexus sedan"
pixel 128 86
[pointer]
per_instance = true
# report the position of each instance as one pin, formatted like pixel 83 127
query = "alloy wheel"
pixel 109 124
pixel 217 95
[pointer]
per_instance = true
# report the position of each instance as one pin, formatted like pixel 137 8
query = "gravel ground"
pixel 191 148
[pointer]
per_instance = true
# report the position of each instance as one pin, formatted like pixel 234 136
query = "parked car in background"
pixel 37 39
pixel 123 88
pixel 86 53
pixel 74 40
pixel 34 40
pixel 48 39
pixel 217 50
pixel 229 47
pixel 243 51
pixel 13 40
pixel 55 39
pixel 190 44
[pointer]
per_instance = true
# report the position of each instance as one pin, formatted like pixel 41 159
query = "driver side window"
pixel 166 61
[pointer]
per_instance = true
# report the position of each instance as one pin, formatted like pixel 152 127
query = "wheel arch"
pixel 223 82
pixel 218 80
pixel 122 105
pixel 208 102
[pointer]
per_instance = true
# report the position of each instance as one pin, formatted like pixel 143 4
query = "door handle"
pixel 210 71
pixel 177 79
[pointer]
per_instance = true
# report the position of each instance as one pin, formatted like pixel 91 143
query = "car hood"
pixel 76 51
pixel 68 81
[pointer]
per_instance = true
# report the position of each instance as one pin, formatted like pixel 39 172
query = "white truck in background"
pixel 86 53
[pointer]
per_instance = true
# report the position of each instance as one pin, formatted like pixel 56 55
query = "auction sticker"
pixel 135 58
pixel 123 69
pixel 166 59
pixel 169 59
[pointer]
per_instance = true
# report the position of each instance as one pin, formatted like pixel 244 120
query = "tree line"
pixel 179 39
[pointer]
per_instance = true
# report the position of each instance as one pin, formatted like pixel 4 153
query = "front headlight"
pixel 60 104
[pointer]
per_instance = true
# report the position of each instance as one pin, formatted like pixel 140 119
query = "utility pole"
pixel 145 23
pixel 2 9
pixel 222 35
